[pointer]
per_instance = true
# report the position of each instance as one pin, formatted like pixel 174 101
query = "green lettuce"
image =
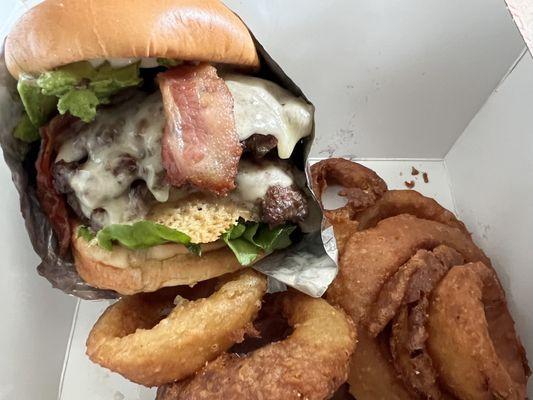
pixel 141 235
pixel 62 80
pixel 76 88
pixel 168 62
pixel 248 240
pixel 109 81
pixel 38 106
pixel 79 102
pixel 26 131
pixel 86 233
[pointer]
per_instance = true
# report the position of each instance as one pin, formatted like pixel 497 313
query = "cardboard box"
pixel 445 86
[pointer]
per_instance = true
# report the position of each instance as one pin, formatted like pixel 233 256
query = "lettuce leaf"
pixel 275 239
pixel 79 102
pixel 64 79
pixel 38 106
pixel 86 233
pixel 109 81
pixel 168 62
pixel 26 131
pixel 141 235
pixel 248 240
pixel 76 88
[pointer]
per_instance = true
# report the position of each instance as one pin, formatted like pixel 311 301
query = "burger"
pixel 167 149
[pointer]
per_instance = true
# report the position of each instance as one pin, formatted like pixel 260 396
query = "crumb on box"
pixel 414 171
pixel 425 176
pixel 410 184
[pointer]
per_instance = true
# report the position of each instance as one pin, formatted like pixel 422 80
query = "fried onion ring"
pixel 396 202
pixel 310 364
pixel 399 353
pixel 369 201
pixel 135 339
pixel 371 376
pixel 395 247
pixel 409 333
pixel 362 188
pixel 472 338
pixel 372 256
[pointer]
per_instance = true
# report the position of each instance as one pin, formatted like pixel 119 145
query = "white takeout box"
pixel 445 86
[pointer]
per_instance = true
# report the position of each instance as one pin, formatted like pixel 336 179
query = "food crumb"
pixel 414 171
pixel 410 184
pixel 401 173
pixel 425 177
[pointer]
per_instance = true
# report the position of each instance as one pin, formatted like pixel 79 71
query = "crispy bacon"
pixel 52 202
pixel 200 145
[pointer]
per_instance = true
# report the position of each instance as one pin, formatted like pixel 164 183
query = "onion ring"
pixel 371 376
pixel 362 187
pixel 133 339
pixel 415 278
pixel 472 338
pixel 310 364
pixel 395 247
pixel 396 202
pixel 369 201
pixel 372 256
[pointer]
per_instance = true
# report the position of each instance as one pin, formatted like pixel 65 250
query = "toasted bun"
pixel 59 32
pixel 134 271
pixel 203 217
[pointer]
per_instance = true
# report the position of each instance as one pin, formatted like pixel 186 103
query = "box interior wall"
pixel 445 86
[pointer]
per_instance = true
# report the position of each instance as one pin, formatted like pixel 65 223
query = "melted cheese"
pixel 267 109
pixel 253 180
pixel 123 145
pixel 128 134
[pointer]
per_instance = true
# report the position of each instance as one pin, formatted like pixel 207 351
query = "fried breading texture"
pixel 310 364
pixel 429 327
pixel 472 338
pixel 372 256
pixel 134 338
pixel 371 373
pixel 397 202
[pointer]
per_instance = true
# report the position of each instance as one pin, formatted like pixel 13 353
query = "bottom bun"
pixel 134 271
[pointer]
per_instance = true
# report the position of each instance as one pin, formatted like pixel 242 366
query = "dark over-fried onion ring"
pixel 310 364
pixel 362 187
pixel 134 338
pixel 369 201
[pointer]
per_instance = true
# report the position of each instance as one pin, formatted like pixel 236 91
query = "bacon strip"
pixel 52 202
pixel 200 145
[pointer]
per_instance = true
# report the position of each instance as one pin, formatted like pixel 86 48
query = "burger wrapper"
pixel 305 266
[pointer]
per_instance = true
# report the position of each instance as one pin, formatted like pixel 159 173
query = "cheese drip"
pixel 265 108
pixel 123 145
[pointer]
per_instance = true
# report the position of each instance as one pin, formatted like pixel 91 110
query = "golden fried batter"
pixel 472 339
pixel 134 338
pixel 310 364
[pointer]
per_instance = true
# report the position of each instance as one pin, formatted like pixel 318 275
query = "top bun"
pixel 60 32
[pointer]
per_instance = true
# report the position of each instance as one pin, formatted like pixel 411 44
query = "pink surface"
pixel 522 12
